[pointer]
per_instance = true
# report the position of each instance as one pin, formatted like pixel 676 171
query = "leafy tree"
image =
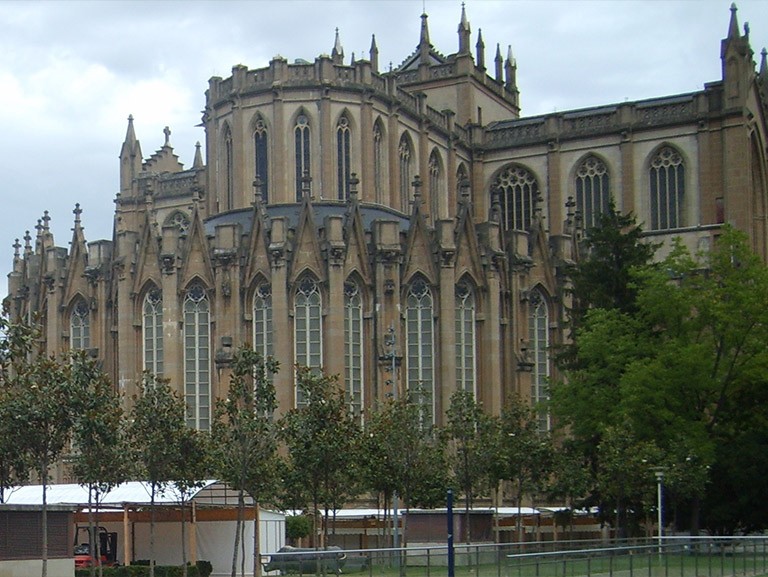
pixel 14 344
pixel 570 481
pixel 613 248
pixel 157 427
pixel 246 437
pixel 470 431
pixel 401 456
pixel 101 456
pixel 625 476
pixel 323 441
pixel 40 399
pixel 524 452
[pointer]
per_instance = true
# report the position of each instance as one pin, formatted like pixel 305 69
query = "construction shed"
pixel 210 514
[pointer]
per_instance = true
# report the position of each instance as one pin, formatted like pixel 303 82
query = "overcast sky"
pixel 72 72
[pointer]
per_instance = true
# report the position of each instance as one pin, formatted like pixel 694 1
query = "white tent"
pixel 210 510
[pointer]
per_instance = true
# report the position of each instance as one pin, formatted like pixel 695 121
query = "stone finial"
pixel 167 132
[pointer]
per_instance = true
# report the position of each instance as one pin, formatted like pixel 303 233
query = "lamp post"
pixel 659 473
pixel 390 343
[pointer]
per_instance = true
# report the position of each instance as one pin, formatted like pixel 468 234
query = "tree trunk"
pixel 152 531
pixel 44 478
pixel 93 550
pixel 238 525
pixel 183 540
pixel 256 540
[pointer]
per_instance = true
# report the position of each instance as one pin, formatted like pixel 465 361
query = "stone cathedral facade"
pixel 402 229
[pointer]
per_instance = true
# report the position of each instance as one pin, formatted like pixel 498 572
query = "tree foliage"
pixel 245 435
pixel 158 425
pixel 323 442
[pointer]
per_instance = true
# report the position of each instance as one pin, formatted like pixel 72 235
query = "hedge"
pixel 201 569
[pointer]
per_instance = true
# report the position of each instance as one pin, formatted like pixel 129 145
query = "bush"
pixel 143 571
pixel 297 527
pixel 205 568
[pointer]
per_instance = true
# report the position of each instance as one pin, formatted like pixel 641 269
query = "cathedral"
pixel 405 229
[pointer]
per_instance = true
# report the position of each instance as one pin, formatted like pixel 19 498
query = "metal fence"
pixel 673 557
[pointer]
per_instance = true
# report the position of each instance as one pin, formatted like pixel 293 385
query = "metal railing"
pixel 675 557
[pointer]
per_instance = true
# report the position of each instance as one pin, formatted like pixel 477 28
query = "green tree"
pixel 402 457
pixel 625 477
pixel 101 454
pixel 40 401
pixel 323 442
pixel 157 427
pixel 570 481
pixel 612 249
pixel 245 437
pixel 524 453
pixel 470 433
pixel 192 466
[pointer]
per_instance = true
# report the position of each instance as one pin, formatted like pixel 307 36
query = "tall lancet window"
pixel 80 326
pixel 593 193
pixel 301 140
pixel 405 155
pixel 262 321
pixel 538 342
pixel 466 348
pixel 518 191
pixel 420 347
pixel 261 157
pixel 152 330
pixel 435 184
pixel 342 157
pixel 307 328
pixel 197 358
pixel 353 347
pixel 229 171
pixel 667 187
pixel 378 162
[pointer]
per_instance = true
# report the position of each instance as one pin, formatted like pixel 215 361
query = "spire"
pixel 337 54
pixel 464 32
pixel 130 158
pixel 733 26
pixel 374 54
pixel 763 66
pixel 510 70
pixel 480 49
pixel 424 44
pixel 198 163
pixel 499 64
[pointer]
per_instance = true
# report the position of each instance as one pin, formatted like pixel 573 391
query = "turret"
pixel 424 44
pixel 736 58
pixel 480 51
pixel 130 159
pixel 499 61
pixel 464 32
pixel 374 54
pixel 337 54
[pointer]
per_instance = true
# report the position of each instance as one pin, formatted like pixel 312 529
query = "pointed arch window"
pixel 197 358
pixel 518 192
pixel 301 135
pixel 152 330
pixel 378 162
pixel 593 193
pixel 229 170
pixel 405 154
pixel 538 342
pixel 353 347
pixel 343 157
pixel 435 183
pixel 262 321
pixel 261 157
pixel 466 347
pixel 308 330
pixel 667 187
pixel 420 349
pixel 80 326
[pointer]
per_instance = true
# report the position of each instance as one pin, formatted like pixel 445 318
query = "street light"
pixel 659 473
